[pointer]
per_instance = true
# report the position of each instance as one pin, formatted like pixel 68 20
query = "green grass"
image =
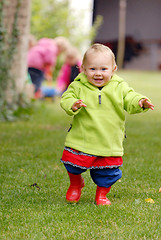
pixel 30 153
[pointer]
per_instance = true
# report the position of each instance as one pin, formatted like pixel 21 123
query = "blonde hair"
pixel 62 43
pixel 73 52
pixel 97 47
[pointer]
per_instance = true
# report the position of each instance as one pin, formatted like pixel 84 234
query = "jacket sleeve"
pixel 131 100
pixel 69 97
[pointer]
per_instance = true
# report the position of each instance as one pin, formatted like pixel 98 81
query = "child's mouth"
pixel 98 80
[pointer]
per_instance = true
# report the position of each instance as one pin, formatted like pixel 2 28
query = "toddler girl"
pixel 97 99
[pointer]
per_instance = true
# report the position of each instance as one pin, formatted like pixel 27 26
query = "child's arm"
pixel 135 102
pixel 70 100
pixel 144 103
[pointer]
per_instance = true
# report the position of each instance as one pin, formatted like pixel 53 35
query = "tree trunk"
pixel 19 64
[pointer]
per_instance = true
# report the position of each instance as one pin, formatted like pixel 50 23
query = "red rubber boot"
pixel 74 191
pixel 101 198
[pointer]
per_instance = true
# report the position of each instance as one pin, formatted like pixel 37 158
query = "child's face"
pixel 99 68
pixel 71 60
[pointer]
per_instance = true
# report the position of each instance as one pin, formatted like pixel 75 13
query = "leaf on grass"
pixel 160 190
pixel 149 200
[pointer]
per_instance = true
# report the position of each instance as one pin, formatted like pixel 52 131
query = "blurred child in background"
pixel 42 60
pixel 68 72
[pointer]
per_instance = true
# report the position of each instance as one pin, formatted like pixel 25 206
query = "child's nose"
pixel 98 73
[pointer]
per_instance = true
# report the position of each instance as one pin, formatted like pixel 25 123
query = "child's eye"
pixel 92 69
pixel 103 69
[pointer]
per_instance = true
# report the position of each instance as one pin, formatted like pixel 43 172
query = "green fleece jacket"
pixel 99 128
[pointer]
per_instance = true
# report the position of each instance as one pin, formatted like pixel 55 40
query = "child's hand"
pixel 78 104
pixel 144 103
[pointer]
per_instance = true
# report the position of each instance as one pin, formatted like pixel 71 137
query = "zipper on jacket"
pixel 99 97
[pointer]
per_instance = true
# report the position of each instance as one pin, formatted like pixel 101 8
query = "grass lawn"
pixel 30 154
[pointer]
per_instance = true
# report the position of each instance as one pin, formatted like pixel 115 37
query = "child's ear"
pixel 115 68
pixel 83 68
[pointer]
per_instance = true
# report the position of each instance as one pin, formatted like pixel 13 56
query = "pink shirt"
pixel 63 79
pixel 44 53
